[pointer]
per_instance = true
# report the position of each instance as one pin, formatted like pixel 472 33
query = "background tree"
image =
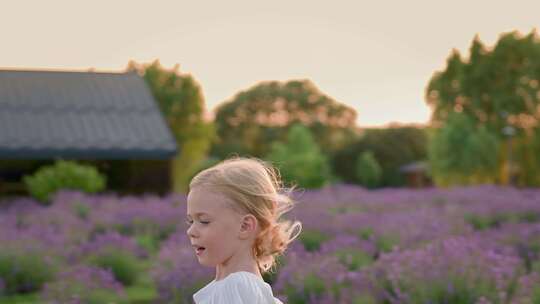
pixel 498 88
pixel 462 152
pixel 392 148
pixel 300 160
pixel 181 101
pixel 252 120
pixel 368 170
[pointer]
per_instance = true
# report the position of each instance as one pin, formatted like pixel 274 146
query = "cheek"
pixel 221 244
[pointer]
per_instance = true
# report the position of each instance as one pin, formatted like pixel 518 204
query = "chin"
pixel 206 263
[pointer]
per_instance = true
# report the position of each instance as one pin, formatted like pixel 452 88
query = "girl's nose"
pixel 191 232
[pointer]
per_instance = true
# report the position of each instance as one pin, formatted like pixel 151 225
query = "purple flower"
pixel 81 284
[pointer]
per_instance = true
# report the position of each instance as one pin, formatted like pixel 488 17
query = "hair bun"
pixel 273 241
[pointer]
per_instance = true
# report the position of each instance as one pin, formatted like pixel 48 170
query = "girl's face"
pixel 213 227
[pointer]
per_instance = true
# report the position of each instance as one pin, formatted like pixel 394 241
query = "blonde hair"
pixel 256 188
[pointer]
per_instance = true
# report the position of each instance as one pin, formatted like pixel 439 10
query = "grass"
pixel 21 299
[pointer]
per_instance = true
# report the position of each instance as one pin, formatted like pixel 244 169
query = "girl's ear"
pixel 248 226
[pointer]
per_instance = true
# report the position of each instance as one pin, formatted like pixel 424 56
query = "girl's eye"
pixel 190 222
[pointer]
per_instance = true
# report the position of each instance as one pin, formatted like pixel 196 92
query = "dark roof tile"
pixel 46 114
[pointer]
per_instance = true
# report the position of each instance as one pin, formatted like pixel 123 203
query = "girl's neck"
pixel 247 264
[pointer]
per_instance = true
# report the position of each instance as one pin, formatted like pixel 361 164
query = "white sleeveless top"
pixel 237 288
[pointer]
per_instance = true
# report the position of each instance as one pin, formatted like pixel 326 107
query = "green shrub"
pixel 368 170
pixel 365 233
pixel 83 284
pixel 484 222
pixel 312 239
pixel 365 299
pixel 529 216
pixel 300 160
pixel 536 295
pixel 313 287
pixel 386 243
pixel 24 272
pixel 81 210
pixel 147 233
pixel 354 259
pixel 101 296
pixel 64 175
pixel 147 241
pixel 123 265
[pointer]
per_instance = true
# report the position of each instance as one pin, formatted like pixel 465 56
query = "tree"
pixel 300 160
pixel 368 170
pixel 252 120
pixel 463 153
pixel 392 148
pixel 181 101
pixel 495 87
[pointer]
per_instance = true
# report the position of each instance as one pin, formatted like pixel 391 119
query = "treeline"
pixel 484 127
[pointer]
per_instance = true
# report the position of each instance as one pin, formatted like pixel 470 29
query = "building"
pixel 110 120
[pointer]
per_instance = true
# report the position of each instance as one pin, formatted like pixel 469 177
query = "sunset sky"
pixel 375 56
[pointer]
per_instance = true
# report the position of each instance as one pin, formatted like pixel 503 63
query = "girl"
pixel 233 212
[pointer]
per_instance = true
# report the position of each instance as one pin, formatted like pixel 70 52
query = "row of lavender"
pixel 466 245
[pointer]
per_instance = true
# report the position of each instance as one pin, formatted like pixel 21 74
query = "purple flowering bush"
pixel 84 284
pixel 457 270
pixel 389 246
pixel 24 272
pixel 178 274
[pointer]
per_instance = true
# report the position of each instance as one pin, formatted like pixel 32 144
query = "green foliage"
pixel 82 210
pixel 312 239
pixel 366 233
pixel 484 222
pixel 100 296
pixel 456 290
pixel 65 291
pixel 31 298
pixel 253 120
pixel 528 158
pixel 354 259
pixel 64 175
pixel 364 299
pixel 148 241
pixel 300 160
pixel 463 153
pixel 495 88
pixel 392 148
pixel 124 265
pixel 140 294
pixel 148 233
pixel 181 101
pixel 313 287
pixel 386 242
pixel 536 295
pixel 368 170
pixel 24 272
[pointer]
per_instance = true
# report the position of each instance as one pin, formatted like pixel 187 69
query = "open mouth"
pixel 199 249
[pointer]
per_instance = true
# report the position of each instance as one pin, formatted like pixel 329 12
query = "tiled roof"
pixel 46 114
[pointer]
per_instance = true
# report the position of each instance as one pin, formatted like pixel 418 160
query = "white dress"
pixel 237 288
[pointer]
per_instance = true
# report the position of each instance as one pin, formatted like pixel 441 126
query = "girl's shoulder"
pixel 238 287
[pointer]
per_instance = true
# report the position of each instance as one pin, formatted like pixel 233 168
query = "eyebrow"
pixel 198 214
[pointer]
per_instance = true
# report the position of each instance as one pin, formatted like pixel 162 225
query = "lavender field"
pixel 460 245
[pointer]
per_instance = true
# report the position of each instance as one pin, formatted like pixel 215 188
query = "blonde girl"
pixel 233 211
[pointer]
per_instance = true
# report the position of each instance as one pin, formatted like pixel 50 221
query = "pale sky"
pixel 375 56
